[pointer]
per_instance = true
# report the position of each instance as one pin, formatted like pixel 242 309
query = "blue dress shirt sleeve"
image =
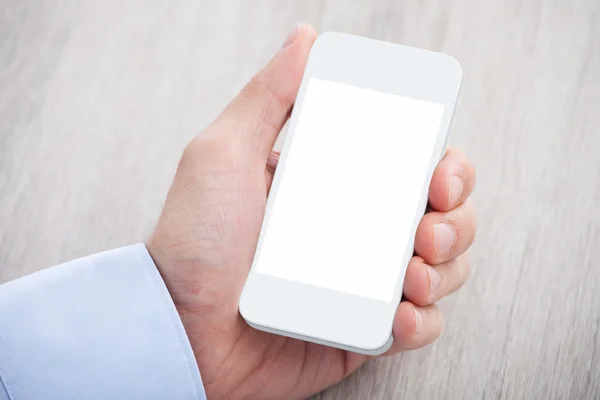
pixel 101 327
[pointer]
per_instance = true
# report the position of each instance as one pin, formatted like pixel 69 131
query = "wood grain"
pixel 97 100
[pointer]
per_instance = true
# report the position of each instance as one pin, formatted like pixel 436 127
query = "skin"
pixel 206 236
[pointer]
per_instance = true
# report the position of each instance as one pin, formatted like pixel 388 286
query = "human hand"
pixel 205 239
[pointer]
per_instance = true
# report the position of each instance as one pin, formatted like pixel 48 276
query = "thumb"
pixel 261 109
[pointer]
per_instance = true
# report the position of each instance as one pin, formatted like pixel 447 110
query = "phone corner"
pixel 375 341
pixel 380 347
pixel 454 66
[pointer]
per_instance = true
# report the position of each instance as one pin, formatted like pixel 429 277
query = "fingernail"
pixel 456 189
pixel 443 239
pixel 434 279
pixel 292 36
pixel 272 161
pixel 418 321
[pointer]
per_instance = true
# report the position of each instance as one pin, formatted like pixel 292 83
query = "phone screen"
pixel 349 190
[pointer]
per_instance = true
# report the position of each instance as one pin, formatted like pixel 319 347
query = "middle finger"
pixel 425 284
pixel 442 236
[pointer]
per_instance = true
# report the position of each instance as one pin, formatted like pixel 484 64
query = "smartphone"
pixel 370 123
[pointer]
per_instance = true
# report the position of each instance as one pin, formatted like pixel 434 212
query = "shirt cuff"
pixel 101 327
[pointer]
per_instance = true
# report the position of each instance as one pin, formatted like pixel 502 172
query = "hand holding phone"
pixel 206 238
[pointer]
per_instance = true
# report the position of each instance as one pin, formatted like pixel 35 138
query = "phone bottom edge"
pixel 373 352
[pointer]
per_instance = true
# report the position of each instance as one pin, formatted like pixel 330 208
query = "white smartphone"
pixel 370 123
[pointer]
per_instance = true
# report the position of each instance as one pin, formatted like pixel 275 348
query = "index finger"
pixel 452 182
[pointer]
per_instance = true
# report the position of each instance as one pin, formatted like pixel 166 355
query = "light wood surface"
pixel 98 98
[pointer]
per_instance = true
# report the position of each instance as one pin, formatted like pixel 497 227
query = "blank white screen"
pixel 350 188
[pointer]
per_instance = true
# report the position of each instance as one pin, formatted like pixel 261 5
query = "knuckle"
pixel 205 155
pixel 257 81
pixel 188 158
pixel 210 148
pixel 261 85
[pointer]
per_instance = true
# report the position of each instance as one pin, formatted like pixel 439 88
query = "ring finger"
pixel 425 284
